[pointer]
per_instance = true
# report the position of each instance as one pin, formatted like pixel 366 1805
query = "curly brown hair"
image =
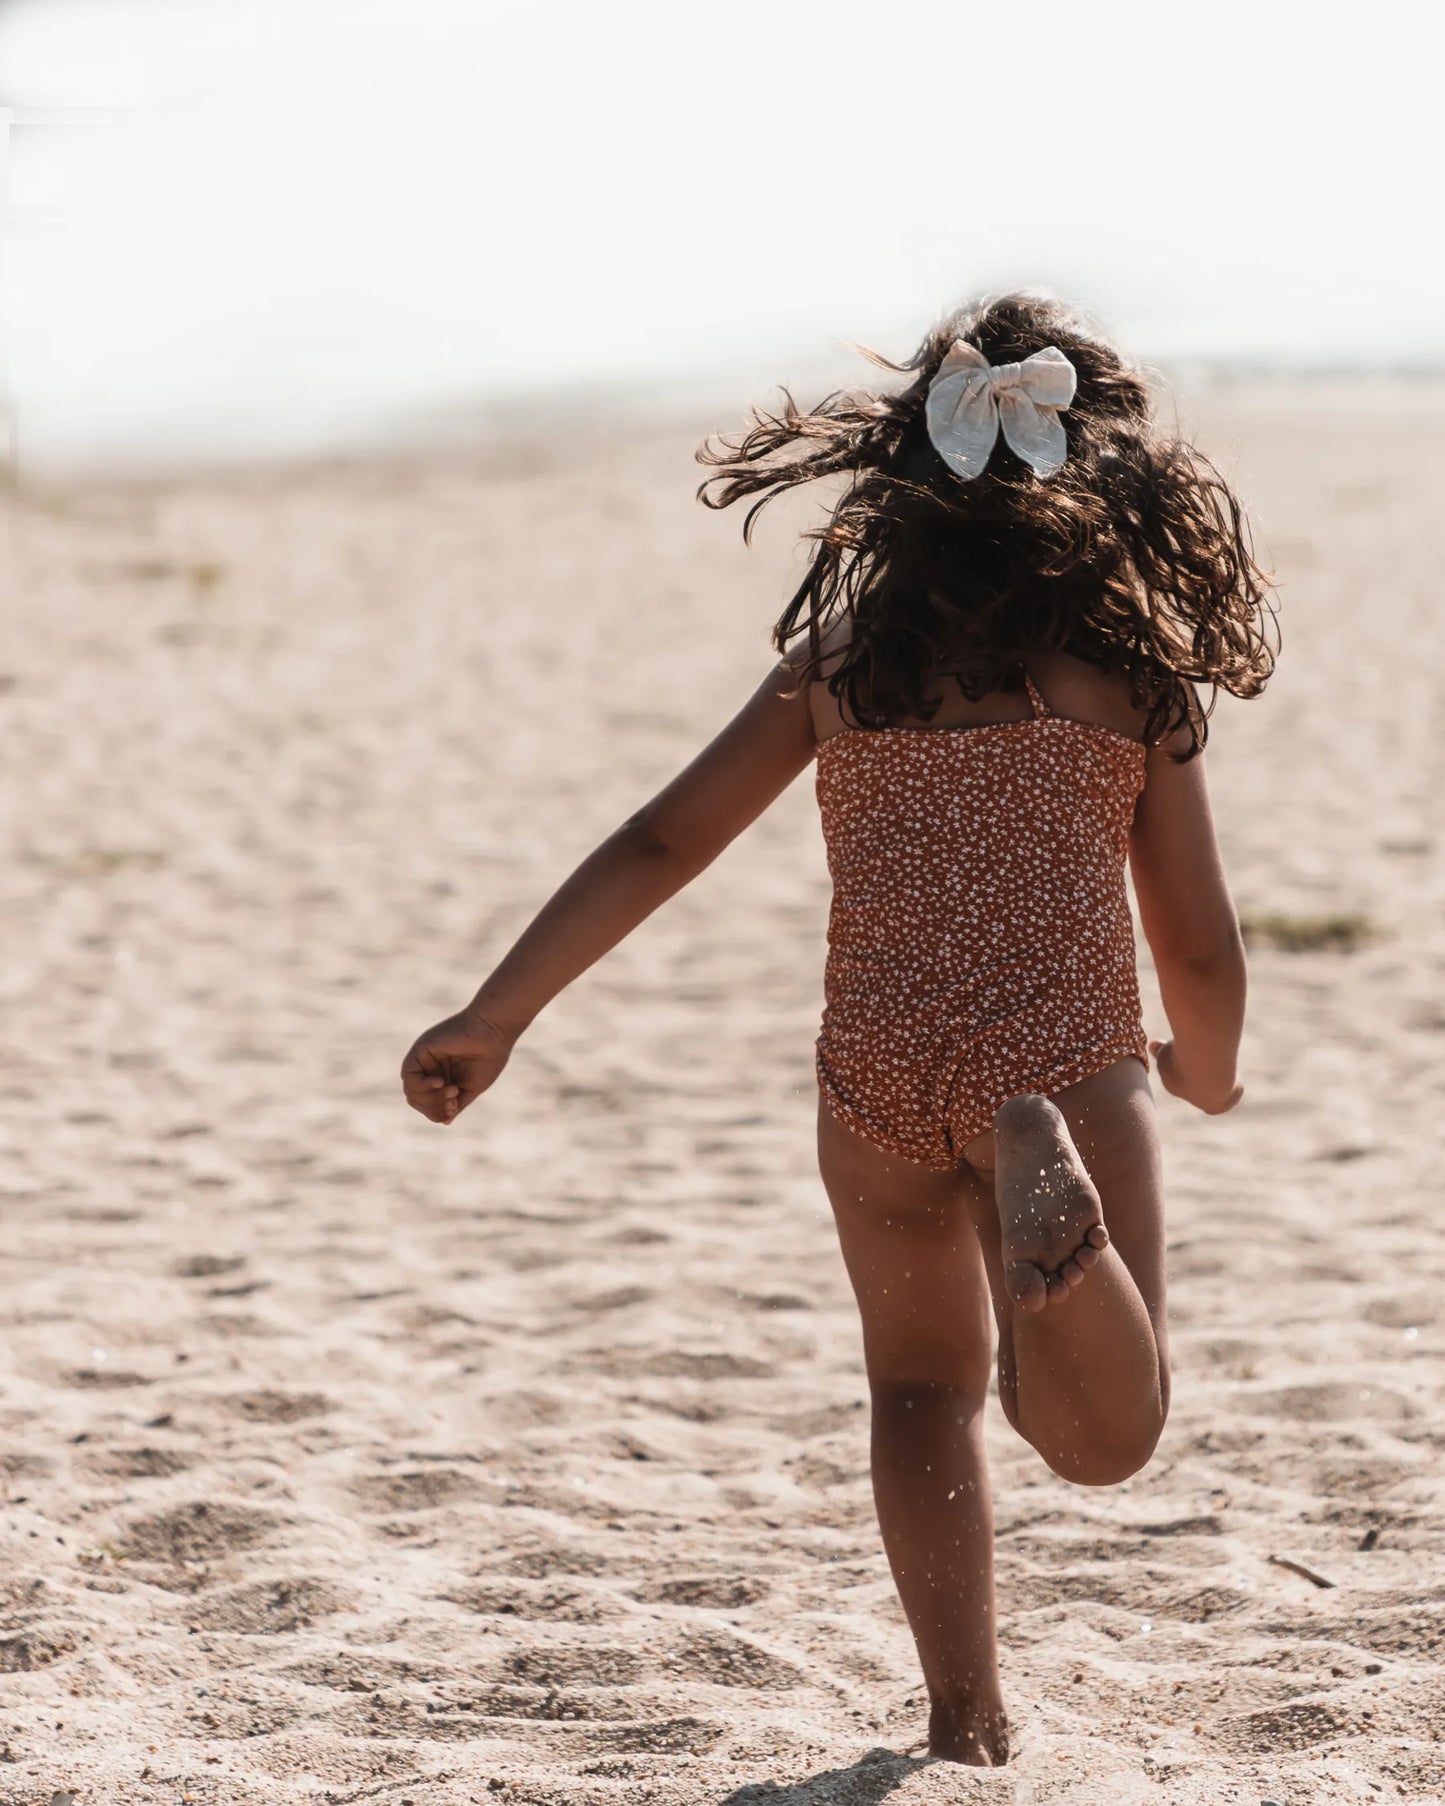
pixel 1136 555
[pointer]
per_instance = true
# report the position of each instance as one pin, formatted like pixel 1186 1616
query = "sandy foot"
pixel 975 1735
pixel 1049 1211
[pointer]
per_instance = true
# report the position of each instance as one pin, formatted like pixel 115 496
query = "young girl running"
pixel 992 661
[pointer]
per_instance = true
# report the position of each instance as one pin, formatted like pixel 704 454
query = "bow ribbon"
pixel 969 399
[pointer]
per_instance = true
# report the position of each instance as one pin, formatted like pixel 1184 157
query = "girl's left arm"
pixel 654 853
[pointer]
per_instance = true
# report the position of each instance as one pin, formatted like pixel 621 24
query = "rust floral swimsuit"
pixel 980 942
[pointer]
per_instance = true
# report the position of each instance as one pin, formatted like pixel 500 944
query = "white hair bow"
pixel 969 399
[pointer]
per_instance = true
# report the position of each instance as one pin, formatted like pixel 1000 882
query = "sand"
pixel 352 1459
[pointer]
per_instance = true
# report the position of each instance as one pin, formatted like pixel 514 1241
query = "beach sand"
pixel 351 1459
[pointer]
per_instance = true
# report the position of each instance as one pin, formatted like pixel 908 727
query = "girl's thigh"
pixel 910 1243
pixel 1112 1121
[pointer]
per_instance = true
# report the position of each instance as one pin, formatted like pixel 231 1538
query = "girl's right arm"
pixel 638 867
pixel 1190 922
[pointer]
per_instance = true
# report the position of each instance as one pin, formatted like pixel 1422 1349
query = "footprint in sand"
pixel 1413 1631
pixel 681 1364
pixel 663 1736
pixel 548 1604
pixel 1411 1310
pixel 37 1648
pixel 17 1466
pixel 268 1406
pixel 718 1593
pixel 103 1378
pixel 267 1606
pixel 542 1704
pixel 1208 1603
pixel 133 1464
pixel 200 1531
pixel 693 1410
pixel 542 1564
pixel 603 1666
pixel 1296 1727
pixel 622 1298
pixel 1335 1401
pixel 417 1490
pixel 207 1266
pixel 728 1661
pixel 348 1673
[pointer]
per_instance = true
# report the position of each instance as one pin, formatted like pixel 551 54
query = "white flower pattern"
pixel 980 942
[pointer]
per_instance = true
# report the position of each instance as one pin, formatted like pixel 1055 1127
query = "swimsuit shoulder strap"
pixel 1039 706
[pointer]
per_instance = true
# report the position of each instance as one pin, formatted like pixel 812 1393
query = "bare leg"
pixel 913 1256
pixel 1083 1359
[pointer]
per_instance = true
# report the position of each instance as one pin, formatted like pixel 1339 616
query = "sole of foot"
pixel 976 1736
pixel 1051 1221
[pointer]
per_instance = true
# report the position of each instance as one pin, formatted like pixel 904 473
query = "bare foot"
pixel 1048 1209
pixel 973 1734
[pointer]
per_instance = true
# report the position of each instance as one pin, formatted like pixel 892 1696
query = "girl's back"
pixel 1075 690
pixel 979 941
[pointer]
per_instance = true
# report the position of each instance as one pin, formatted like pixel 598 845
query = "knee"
pixel 918 1401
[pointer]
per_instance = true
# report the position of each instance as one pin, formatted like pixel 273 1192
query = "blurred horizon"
pixel 270 228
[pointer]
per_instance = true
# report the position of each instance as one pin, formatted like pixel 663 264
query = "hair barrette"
pixel 971 400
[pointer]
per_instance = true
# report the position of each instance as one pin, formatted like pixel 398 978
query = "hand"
pixel 453 1064
pixel 1213 1102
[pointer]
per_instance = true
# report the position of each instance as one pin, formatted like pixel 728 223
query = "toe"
pixel 1097 1236
pixel 1058 1288
pixel 1071 1273
pixel 1085 1255
pixel 1026 1285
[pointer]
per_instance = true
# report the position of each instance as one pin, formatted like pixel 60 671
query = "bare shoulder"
pixel 1083 692
pixel 822 703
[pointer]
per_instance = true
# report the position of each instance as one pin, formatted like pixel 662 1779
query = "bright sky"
pixel 237 226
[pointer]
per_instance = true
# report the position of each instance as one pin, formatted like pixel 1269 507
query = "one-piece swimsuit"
pixel 980 942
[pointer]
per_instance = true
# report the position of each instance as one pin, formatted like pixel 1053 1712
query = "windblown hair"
pixel 1134 556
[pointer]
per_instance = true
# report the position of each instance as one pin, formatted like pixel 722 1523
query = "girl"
pixel 991 660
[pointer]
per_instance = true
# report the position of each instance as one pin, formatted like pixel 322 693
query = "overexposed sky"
pixel 242 226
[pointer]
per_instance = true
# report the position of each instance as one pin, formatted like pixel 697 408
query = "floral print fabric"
pixel 980 942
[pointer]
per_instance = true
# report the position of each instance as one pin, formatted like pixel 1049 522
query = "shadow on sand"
pixel 863 1783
